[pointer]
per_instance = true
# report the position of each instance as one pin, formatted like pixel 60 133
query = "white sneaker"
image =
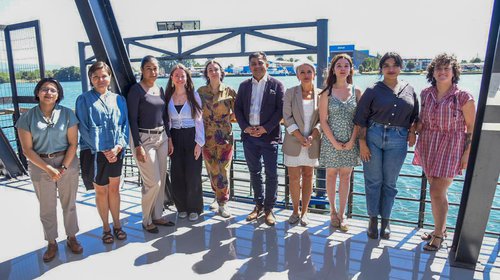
pixel 183 215
pixel 214 205
pixel 224 211
pixel 193 217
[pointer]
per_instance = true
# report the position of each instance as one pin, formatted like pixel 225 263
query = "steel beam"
pixel 107 43
pixel 83 67
pixel 322 52
pixel 484 160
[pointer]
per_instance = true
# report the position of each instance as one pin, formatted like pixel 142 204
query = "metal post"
pixel 322 56
pixel 421 207
pixel 38 35
pixel 83 67
pixel 351 195
pixel 179 44
pixel 484 160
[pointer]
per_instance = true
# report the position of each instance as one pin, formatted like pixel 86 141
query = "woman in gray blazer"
pixel 302 138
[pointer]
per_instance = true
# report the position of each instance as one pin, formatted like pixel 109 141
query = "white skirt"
pixel 301 160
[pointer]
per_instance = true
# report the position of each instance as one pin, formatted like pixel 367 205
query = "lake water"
pixel 408 187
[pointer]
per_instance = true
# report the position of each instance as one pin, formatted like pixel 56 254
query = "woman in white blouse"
pixel 301 144
pixel 188 136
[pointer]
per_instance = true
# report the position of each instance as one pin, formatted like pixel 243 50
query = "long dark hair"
pixel 189 89
pixel 331 78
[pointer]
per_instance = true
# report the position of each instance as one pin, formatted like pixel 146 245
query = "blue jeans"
pixel 388 148
pixel 256 149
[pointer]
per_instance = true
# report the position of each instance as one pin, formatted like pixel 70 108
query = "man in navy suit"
pixel 259 110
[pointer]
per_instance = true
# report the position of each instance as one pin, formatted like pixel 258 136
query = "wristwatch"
pixel 64 167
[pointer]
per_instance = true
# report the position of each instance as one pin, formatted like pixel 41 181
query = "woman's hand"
pixel 412 138
pixel 170 146
pixel 337 145
pixel 349 145
pixel 309 141
pixel 197 151
pixel 364 151
pixel 54 173
pixel 140 154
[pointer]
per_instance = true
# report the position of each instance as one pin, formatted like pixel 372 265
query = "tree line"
pixel 64 74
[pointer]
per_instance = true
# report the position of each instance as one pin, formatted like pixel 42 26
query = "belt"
pixel 53 155
pixel 151 131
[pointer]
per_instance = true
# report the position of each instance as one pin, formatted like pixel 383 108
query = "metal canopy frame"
pixel 295 47
pixel 16 98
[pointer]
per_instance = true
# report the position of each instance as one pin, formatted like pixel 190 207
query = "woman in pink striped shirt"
pixel 445 127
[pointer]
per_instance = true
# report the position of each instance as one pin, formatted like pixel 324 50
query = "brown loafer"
pixel 269 218
pixel 50 254
pixel 257 211
pixel 74 245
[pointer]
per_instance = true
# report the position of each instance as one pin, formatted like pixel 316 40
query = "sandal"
pixel 427 236
pixel 334 219
pixel 150 228
pixel 162 222
pixel 107 237
pixel 430 246
pixel 343 223
pixel 119 233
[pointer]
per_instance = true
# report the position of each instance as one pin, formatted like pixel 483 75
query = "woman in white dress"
pixel 302 138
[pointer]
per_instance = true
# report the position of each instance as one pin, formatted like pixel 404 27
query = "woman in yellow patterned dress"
pixel 218 103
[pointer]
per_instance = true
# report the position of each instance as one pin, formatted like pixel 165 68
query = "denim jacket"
pixel 103 121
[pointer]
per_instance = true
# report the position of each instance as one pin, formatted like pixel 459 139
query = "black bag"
pixel 87 168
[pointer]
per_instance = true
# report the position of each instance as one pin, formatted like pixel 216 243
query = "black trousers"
pixel 186 172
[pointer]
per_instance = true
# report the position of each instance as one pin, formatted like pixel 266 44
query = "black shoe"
pixel 385 229
pixel 372 230
pixel 151 230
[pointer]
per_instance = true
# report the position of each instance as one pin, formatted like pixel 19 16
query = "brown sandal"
pixel 119 233
pixel 430 246
pixel 107 237
pixel 427 236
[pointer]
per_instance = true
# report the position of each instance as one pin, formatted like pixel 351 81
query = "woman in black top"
pixel 150 142
pixel 386 115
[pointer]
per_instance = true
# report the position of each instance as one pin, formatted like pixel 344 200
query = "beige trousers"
pixel 153 175
pixel 46 191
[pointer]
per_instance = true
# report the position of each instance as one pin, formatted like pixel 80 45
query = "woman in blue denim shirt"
pixel 385 114
pixel 104 132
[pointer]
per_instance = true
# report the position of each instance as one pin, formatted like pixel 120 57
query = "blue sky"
pixel 420 28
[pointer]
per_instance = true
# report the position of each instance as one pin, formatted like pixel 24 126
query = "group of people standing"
pixel 337 128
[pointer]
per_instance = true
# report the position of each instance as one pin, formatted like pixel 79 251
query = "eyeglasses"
pixel 51 90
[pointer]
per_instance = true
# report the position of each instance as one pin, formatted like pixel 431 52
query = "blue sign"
pixel 341 48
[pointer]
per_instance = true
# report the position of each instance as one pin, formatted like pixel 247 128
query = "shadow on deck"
pixel 215 248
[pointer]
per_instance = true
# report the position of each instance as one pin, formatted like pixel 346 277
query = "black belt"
pixel 151 131
pixel 53 155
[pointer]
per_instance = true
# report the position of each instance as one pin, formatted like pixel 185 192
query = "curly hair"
pixel 331 79
pixel 205 71
pixel 189 89
pixel 444 59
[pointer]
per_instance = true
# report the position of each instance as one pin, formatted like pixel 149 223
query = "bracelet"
pixel 64 167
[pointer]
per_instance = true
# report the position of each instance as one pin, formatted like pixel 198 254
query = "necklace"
pixel 307 94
